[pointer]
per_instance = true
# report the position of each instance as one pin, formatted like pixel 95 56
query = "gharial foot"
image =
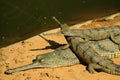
pixel 91 67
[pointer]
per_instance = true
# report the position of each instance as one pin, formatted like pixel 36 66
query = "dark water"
pixel 21 19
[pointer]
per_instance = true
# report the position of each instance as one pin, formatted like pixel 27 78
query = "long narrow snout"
pixel 26 67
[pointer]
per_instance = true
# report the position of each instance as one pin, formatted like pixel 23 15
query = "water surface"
pixel 21 19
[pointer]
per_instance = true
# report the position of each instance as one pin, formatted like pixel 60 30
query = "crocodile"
pixel 53 59
pixel 101 19
pixel 67 57
pixel 90 56
pixel 87 53
pixel 92 33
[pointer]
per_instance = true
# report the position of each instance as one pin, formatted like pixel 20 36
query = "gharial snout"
pixel 23 68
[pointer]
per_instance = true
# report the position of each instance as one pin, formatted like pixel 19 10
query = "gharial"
pixel 83 49
pixel 92 34
pixel 66 57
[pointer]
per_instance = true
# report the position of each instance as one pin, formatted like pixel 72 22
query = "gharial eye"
pixel 41 60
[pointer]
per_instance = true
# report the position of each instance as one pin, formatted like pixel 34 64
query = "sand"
pixel 22 53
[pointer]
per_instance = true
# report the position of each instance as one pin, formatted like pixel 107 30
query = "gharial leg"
pixel 92 66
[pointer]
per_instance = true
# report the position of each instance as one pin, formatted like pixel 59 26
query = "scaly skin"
pixel 56 58
pixel 89 55
pixel 91 34
pixel 106 48
pixel 101 19
pixel 65 57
